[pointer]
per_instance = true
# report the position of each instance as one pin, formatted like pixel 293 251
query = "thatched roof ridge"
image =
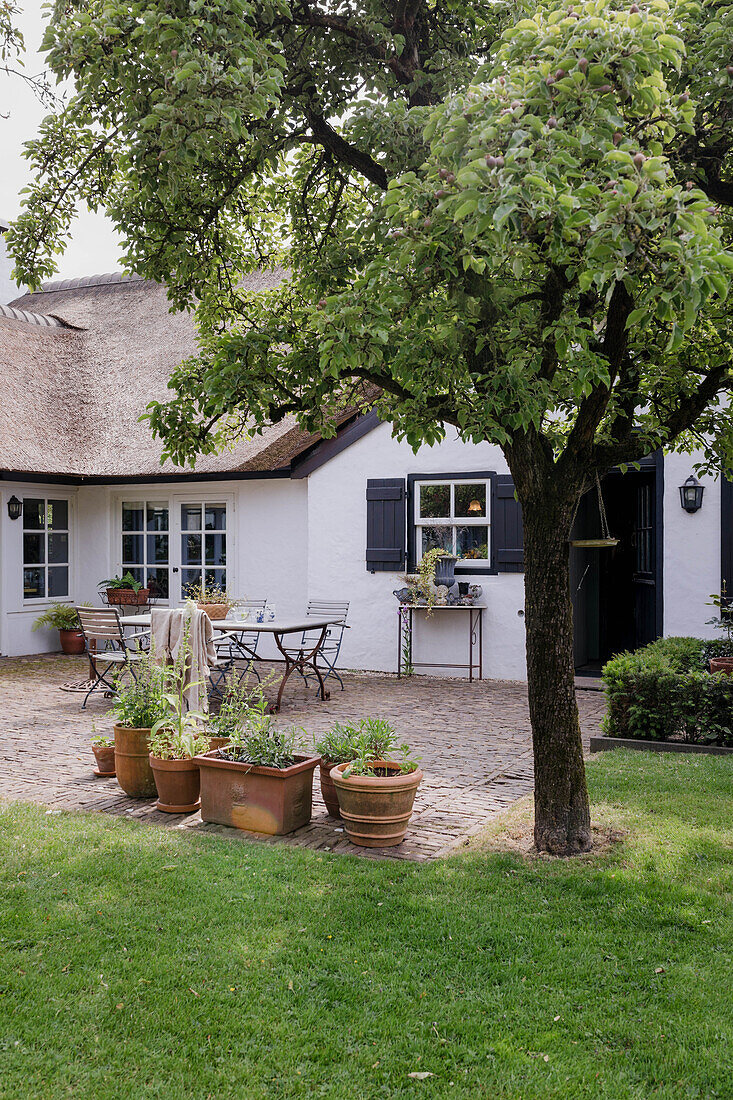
pixel 74 395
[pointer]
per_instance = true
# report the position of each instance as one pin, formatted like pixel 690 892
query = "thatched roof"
pixel 79 362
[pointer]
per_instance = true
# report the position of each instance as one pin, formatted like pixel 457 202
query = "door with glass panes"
pixel 174 546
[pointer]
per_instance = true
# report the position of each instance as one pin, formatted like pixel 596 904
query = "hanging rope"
pixel 605 533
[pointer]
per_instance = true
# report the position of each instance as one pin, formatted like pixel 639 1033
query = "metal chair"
pixel 237 645
pixel 119 651
pixel 329 651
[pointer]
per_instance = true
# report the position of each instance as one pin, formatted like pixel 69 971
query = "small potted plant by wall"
pixel 211 598
pixel 104 753
pixel 376 791
pixel 139 703
pixel 261 782
pixel 723 621
pixel 174 742
pixel 125 590
pixel 63 617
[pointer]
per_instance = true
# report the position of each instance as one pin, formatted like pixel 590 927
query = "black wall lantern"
pixel 691 494
pixel 15 508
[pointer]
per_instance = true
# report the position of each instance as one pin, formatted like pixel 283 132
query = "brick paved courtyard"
pixel 474 740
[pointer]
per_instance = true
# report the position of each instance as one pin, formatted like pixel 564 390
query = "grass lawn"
pixel 135 961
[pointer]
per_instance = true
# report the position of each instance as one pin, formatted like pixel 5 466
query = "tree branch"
pixel 325 135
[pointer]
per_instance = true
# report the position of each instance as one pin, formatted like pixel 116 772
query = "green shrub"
pixel 664 691
pixel 718 647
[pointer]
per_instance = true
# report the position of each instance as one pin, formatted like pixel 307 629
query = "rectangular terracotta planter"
pixel 257 799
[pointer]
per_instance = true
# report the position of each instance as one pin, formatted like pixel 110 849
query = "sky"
pixel 94 247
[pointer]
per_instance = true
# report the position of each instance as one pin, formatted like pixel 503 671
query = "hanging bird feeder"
pixel 606 541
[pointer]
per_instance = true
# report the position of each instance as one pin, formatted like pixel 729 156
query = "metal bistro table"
pixel 297 658
pixel 475 637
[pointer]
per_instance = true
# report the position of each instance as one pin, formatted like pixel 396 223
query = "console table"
pixel 474 616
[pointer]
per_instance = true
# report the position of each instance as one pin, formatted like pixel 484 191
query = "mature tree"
pixel 496 218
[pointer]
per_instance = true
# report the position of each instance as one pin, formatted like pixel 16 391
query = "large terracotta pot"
pixel 178 784
pixel 105 757
pixel 256 799
pixel 128 596
pixel 376 809
pixel 722 664
pixel 132 762
pixel 328 790
pixel 72 641
pixel 214 610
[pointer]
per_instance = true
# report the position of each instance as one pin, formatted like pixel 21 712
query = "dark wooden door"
pixel 644 576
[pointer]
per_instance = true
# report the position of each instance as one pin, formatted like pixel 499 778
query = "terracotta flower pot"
pixel 376 809
pixel 218 742
pixel 132 762
pixel 214 610
pixel 722 664
pixel 254 798
pixel 328 790
pixel 128 596
pixel 178 784
pixel 105 757
pixel 72 641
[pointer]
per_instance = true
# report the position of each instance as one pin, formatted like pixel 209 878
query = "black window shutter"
pixel 385 547
pixel 507 531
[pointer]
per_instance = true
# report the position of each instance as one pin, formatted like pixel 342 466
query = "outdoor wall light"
pixel 15 508
pixel 691 494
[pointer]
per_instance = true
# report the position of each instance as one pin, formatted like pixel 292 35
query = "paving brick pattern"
pixel 474 741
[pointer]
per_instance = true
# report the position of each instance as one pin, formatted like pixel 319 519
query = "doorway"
pixel 617 591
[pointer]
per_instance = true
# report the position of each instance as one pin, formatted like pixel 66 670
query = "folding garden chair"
pixel 233 646
pixel 108 648
pixel 329 651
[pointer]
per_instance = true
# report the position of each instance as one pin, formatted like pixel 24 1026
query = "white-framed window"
pixel 454 515
pixel 203 544
pixel 145 540
pixel 45 548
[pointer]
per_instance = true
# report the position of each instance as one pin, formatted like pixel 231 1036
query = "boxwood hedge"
pixel 664 691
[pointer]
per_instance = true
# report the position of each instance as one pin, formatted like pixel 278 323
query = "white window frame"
pixel 204 501
pixel 145 498
pixel 37 601
pixel 453 521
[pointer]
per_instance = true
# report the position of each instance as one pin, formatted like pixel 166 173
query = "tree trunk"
pixel 562 810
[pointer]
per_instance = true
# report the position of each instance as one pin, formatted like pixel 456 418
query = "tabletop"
pixel 284 626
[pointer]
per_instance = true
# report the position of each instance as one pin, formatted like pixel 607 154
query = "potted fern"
pixel 125 590
pixel 261 781
pixel 63 617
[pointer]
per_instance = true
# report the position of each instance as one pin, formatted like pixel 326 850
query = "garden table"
pixel 296 659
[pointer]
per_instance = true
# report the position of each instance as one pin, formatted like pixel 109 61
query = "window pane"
pixel 132 516
pixel 157 517
pixel 189 577
pixel 33 549
pixel 434 500
pixel 190 517
pixel 34 583
pixel 58 581
pixel 216 549
pixel 33 514
pixel 437 536
pixel 58 548
pixel 58 514
pixel 216 517
pixel 472 542
pixel 191 549
pixel 470 500
pixel 132 549
pixel 158 583
pixel 157 549
pixel 216 577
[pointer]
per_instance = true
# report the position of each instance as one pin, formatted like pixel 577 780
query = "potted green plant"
pixel 104 753
pixel 376 790
pixel 342 743
pixel 211 598
pixel 140 702
pixel 174 741
pixel 125 590
pixel 722 621
pixel 261 782
pixel 237 703
pixel 62 617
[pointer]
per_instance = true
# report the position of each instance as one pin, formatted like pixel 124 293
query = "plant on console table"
pixel 261 781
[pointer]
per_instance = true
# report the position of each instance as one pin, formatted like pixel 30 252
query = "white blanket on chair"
pixel 168 631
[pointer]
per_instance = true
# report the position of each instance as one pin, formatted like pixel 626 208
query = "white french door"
pixel 171 544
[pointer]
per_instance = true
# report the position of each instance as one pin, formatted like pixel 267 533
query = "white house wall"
pixel 691 552
pixel 337 566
